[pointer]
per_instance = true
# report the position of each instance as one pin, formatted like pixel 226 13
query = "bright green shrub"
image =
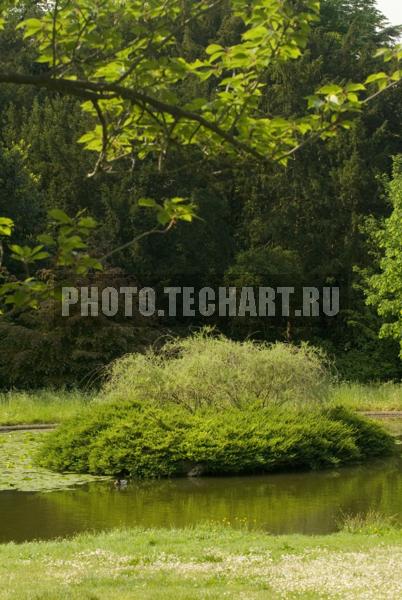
pixel 368 435
pixel 68 449
pixel 204 371
pixel 214 406
pixel 145 443
pixel 143 440
pixel 255 441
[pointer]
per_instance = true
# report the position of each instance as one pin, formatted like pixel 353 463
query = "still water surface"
pixel 309 503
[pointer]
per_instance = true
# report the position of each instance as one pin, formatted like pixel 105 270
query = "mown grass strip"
pixel 204 562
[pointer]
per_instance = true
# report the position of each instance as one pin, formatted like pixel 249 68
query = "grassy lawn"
pixel 45 406
pixel 374 397
pixel 204 563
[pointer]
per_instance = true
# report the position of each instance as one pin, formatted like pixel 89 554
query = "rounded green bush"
pixel 212 406
pixel 204 370
pixel 139 440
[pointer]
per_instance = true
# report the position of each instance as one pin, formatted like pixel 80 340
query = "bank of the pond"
pixel 208 562
pixel 392 425
pixel 53 406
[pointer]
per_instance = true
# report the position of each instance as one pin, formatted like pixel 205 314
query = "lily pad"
pixel 18 470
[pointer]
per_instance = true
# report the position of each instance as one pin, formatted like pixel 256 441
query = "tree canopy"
pixel 122 60
pixel 216 110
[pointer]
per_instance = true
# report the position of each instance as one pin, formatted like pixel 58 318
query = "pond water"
pixel 309 503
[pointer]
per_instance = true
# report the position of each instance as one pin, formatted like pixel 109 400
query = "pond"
pixel 309 503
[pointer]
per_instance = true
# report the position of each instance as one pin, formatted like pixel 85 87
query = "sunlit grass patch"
pixel 204 562
pixel 371 523
pixel 45 406
pixel 373 397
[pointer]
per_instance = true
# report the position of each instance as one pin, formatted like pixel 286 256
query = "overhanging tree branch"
pixel 140 237
pixel 95 91
pixel 90 90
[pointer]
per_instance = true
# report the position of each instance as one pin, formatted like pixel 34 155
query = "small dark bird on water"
pixel 120 483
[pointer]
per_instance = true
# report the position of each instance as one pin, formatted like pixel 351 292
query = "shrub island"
pixel 210 406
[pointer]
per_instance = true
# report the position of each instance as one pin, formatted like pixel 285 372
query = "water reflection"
pixel 307 503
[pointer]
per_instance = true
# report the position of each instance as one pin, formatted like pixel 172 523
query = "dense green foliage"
pixel 259 223
pixel 207 371
pixel 136 439
pixel 127 65
pixel 216 407
pixel 42 349
pixel 385 288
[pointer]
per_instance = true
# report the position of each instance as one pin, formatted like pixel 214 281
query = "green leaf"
pixel 6 226
pixel 214 49
pixel 17 250
pixel 187 217
pixel 41 256
pixel 147 203
pixel 87 223
pixel 396 75
pixel 163 217
pixel 31 26
pixel 256 33
pixel 355 87
pixel 331 89
pixel 380 52
pixel 46 239
pixel 60 216
pixel 38 254
pixel 376 77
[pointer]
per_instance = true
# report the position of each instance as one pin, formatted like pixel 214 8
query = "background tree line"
pixel 304 224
